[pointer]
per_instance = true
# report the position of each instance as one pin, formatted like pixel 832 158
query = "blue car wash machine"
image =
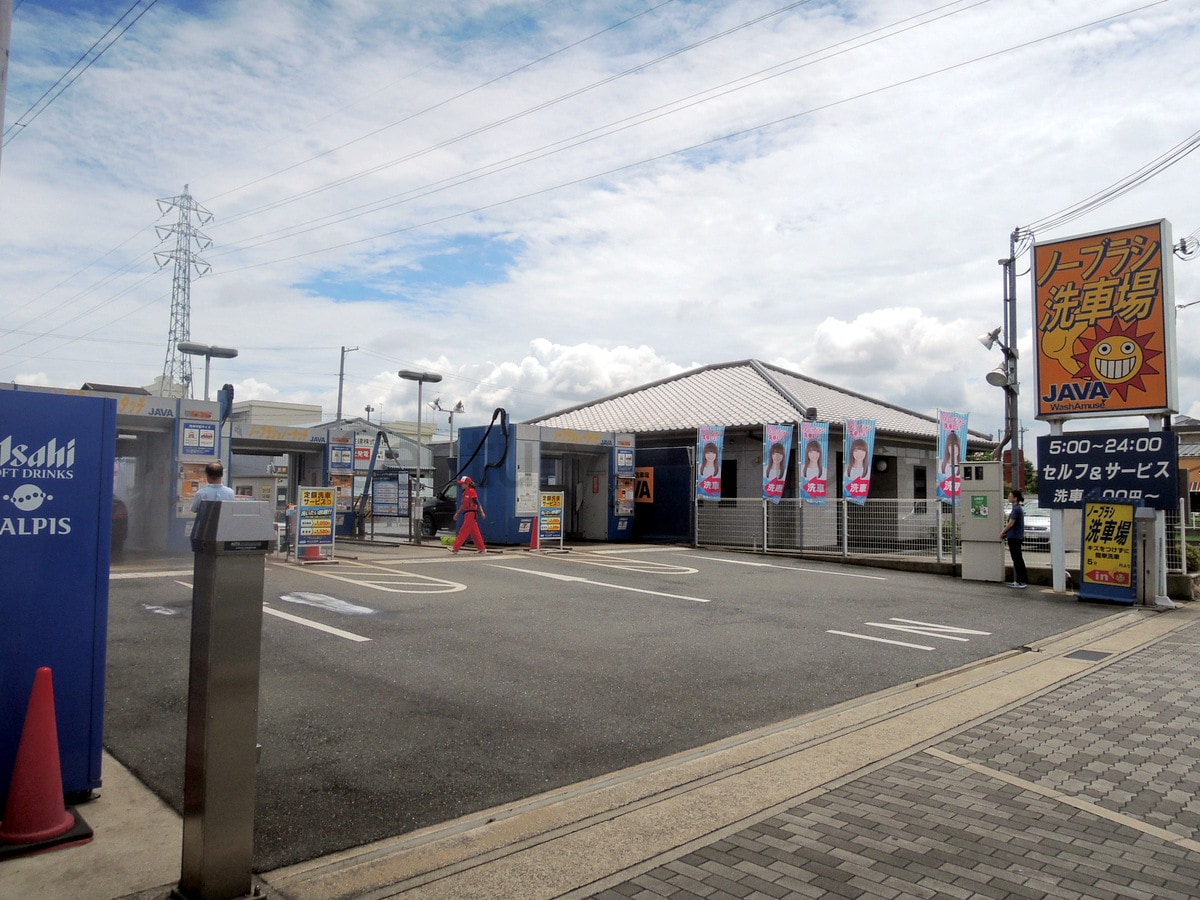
pixel 514 465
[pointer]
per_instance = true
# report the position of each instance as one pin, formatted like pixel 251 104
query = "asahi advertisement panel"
pixel 56 507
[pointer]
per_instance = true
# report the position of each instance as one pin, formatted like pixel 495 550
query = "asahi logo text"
pixel 51 460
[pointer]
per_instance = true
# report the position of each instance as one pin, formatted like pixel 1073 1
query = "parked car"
pixel 120 525
pixel 437 512
pixel 1037 525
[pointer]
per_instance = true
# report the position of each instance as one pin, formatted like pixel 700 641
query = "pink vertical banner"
pixel 777 445
pixel 710 442
pixel 859 440
pixel 952 440
pixel 814 461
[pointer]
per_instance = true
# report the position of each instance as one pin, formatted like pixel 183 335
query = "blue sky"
pixel 552 201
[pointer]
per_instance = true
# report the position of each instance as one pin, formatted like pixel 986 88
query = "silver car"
pixel 1037 525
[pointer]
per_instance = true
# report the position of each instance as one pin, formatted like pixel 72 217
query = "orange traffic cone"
pixel 35 818
pixel 533 536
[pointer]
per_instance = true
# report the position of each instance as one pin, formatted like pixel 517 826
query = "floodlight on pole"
pixel 1005 376
pixel 420 378
pixel 208 351
pixel 989 340
pixel 458 408
pixel 998 377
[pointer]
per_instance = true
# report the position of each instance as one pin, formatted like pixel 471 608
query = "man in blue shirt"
pixel 1014 532
pixel 214 472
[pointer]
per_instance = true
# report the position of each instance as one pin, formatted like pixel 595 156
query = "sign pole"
pixel 1058 538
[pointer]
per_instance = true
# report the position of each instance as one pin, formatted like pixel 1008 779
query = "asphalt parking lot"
pixel 406 687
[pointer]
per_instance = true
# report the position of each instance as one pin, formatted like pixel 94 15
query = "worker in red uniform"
pixel 470 509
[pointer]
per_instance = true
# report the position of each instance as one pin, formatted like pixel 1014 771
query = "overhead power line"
pixel 650 115
pixel 86 60
pixel 632 121
pixel 680 151
pixel 1117 189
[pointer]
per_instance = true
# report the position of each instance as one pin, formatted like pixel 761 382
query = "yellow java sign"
pixel 1104 324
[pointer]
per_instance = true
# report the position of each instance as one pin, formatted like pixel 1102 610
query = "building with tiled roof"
pixel 743 397
pixel 738 394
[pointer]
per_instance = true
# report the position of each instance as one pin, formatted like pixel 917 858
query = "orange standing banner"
pixel 1104 324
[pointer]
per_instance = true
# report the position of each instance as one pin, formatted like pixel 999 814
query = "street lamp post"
pixel 420 378
pixel 1005 375
pixel 208 351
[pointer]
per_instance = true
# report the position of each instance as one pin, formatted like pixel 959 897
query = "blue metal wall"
pixel 56 491
pixel 669 516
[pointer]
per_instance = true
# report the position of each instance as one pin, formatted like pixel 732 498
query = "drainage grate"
pixel 1089 655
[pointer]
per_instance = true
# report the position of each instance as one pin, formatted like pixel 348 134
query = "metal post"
pixel 1058 538
pixel 1159 588
pixel 419 506
pixel 1010 355
pixel 954 482
pixel 230 540
pixel 420 378
pixel 342 378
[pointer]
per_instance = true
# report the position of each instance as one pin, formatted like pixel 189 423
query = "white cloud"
pixel 376 183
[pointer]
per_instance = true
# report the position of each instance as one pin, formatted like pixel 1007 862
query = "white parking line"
pixel 620 550
pixel 767 565
pixel 914 626
pixel 867 637
pixel 631 565
pixel 328 629
pixel 121 576
pixel 930 629
pixel 615 587
pixel 394 581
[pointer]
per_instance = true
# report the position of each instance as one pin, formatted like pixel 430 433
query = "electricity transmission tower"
pixel 177 369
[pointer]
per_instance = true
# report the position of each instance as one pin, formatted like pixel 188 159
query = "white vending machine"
pixel 981 517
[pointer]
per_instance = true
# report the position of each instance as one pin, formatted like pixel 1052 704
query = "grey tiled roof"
pixel 745 393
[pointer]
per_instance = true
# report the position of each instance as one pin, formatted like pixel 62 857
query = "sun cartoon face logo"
pixel 1116 355
pixel 28 497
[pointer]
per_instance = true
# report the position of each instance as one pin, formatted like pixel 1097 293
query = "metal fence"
pixel 910 529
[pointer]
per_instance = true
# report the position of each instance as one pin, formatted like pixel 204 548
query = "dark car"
pixel 438 511
pixel 120 525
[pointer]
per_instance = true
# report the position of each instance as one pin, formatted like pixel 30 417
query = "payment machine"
pixel 981 517
pixel 230 540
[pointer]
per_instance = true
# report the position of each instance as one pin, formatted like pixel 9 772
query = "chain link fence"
pixel 885 528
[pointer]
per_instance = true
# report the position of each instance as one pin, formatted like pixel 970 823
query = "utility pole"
pixel 1013 414
pixel 6 13
pixel 177 368
pixel 342 378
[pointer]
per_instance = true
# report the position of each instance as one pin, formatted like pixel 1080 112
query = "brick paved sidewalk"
pixel 1088 790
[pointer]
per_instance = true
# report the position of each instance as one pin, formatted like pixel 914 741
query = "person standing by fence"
pixel 1014 533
